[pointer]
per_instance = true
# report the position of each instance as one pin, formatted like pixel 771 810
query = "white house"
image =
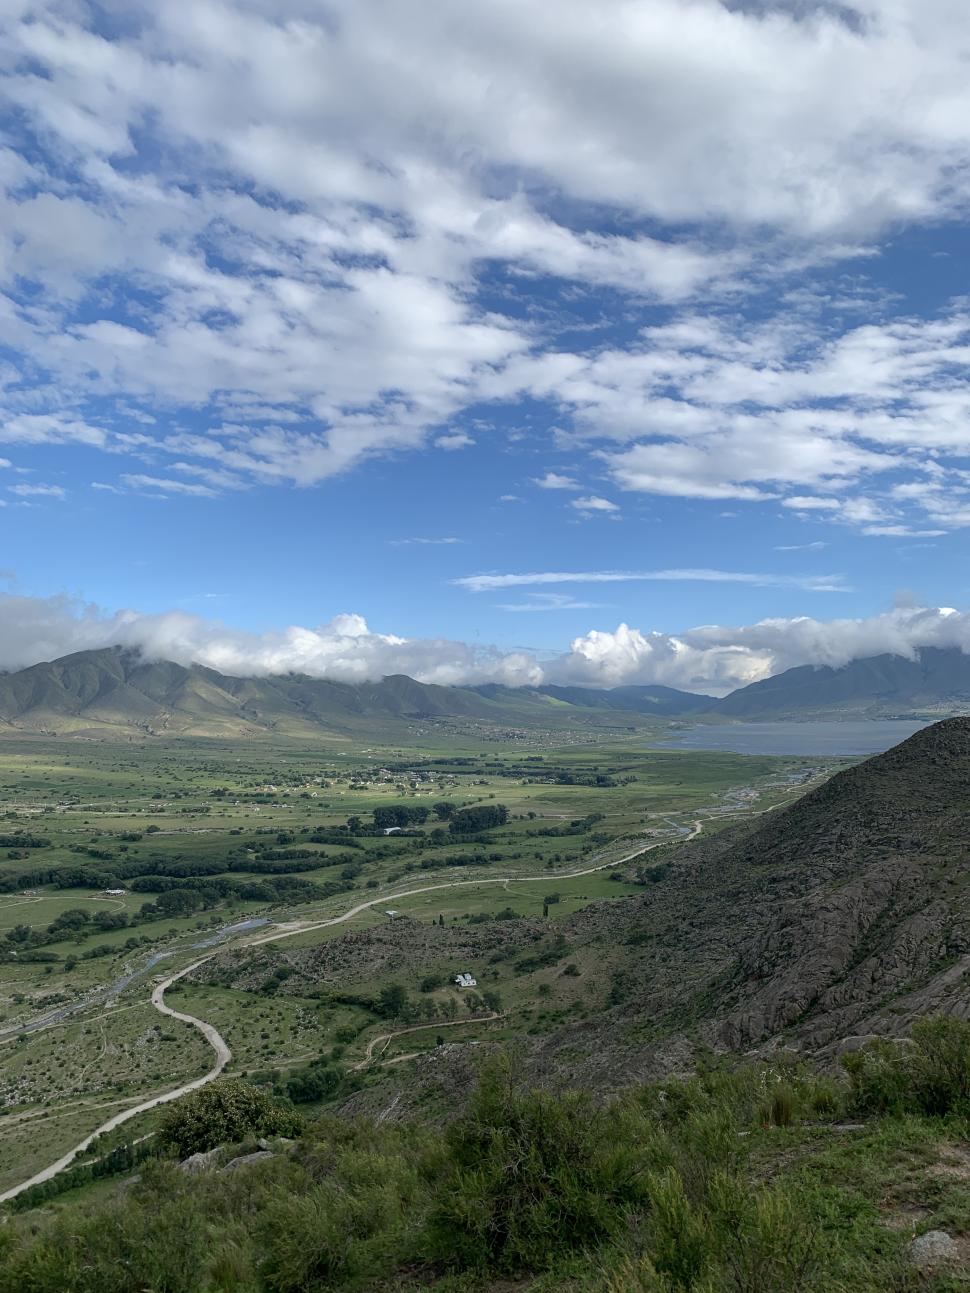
pixel 392 830
pixel 115 893
pixel 466 981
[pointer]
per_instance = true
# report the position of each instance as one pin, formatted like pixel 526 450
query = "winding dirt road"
pixel 387 1038
pixel 217 1041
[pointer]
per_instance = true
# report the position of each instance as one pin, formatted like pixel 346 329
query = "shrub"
pixel 528 1176
pixel 221 1113
pixel 929 1074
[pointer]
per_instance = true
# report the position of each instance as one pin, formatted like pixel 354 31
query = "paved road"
pixel 218 1042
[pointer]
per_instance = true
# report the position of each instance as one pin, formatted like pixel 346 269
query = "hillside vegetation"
pixel 747 1181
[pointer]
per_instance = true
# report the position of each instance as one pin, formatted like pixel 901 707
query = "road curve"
pixel 420 1028
pixel 218 1042
pixel 215 1040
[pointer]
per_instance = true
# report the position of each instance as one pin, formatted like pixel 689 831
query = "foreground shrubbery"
pixel 928 1073
pixel 666 1189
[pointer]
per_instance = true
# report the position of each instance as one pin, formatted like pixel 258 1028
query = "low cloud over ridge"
pixel 710 658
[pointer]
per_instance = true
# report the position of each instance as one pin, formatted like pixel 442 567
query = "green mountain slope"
pixel 937 681
pixel 117 692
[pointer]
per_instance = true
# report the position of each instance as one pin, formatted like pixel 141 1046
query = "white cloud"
pixel 550 602
pixel 38 491
pixel 456 440
pixel 490 582
pixel 592 503
pixel 709 658
pixel 339 318
pixel 162 485
pixel 446 542
pixel 308 230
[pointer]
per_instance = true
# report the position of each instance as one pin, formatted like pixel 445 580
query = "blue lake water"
pixel 846 740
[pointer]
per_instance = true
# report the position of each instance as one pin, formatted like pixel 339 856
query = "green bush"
pixel 928 1075
pixel 223 1113
pixel 527 1177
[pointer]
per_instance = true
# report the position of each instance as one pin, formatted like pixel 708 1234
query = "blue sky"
pixel 399 336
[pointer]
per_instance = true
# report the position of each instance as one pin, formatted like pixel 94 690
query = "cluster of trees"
pixel 19 842
pixel 402 815
pixel 578 826
pixel 481 817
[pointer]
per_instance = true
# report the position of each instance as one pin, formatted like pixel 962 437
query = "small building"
pixel 115 893
pixel 466 981
pixel 392 830
pixel 390 914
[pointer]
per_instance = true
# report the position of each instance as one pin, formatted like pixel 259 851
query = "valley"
pixel 211 849
pixel 692 961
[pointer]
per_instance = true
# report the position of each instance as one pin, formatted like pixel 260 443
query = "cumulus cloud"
pixel 709 658
pixel 592 503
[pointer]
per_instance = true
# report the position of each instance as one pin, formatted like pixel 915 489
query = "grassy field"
pixel 233 832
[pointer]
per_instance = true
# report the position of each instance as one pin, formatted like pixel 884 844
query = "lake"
pixel 847 740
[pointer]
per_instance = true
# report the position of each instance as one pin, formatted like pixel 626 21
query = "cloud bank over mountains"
pixel 709 658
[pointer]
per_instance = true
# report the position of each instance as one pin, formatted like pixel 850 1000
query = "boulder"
pixel 933 1250
pixel 246 1159
pixel 200 1162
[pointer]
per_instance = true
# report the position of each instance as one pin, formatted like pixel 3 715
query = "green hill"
pixel 114 692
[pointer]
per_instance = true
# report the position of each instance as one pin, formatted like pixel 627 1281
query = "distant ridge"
pixel 935 683
pixel 116 692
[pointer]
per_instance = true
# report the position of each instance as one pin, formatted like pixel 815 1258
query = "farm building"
pixel 466 981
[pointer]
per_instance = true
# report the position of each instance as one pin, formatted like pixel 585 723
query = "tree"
pixel 443 810
pixel 392 1001
pixel 223 1113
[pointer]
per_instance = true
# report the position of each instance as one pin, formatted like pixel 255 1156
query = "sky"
pixel 601 341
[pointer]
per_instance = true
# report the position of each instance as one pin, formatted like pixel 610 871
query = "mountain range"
pixel 117 692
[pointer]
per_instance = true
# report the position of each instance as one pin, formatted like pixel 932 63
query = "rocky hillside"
pixel 846 914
